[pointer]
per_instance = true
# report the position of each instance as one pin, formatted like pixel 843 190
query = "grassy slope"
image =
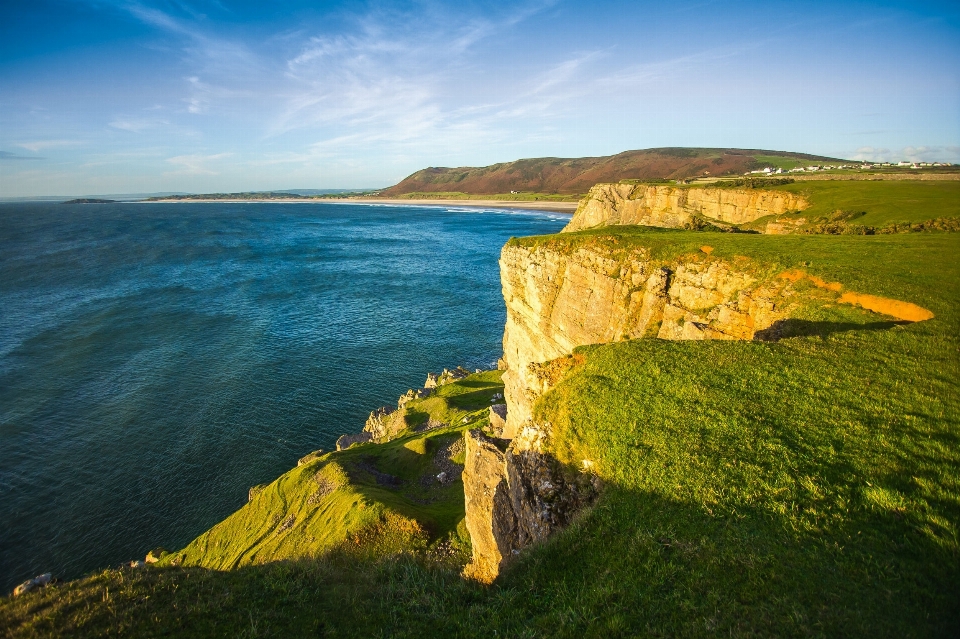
pixel 316 507
pixel 806 487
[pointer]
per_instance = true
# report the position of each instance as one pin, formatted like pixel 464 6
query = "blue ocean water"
pixel 156 360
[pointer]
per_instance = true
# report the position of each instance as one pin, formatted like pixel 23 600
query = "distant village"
pixel 864 166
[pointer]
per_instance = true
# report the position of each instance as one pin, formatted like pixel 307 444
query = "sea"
pixel 158 359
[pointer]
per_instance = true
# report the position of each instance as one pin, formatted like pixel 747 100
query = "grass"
pixel 785 163
pixel 809 487
pixel 315 507
pixel 882 202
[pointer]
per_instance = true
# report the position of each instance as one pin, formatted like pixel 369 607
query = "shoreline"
pixel 536 205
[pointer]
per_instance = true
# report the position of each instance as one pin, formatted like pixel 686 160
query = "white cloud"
pixel 909 154
pixel 136 125
pixel 39 145
pixel 195 164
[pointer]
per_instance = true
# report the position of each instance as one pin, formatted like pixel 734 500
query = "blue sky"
pixel 116 96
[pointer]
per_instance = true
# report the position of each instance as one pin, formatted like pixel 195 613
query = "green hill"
pixel 572 176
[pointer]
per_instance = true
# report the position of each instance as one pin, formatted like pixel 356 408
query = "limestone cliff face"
pixel 559 298
pixel 556 302
pixel 674 207
pixel 515 497
pixel 515 492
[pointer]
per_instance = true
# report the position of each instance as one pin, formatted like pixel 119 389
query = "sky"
pixel 118 96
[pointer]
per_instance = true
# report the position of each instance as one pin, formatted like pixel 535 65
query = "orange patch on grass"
pixel 707 249
pixel 830 286
pixel 795 275
pixel 896 308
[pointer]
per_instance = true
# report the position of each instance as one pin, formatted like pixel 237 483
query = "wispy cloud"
pixel 39 145
pixel 136 125
pixel 195 164
pixel 6 155
pixel 394 83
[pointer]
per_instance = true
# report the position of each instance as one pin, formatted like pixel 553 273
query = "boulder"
pixel 32 584
pixel 346 441
pixel 431 381
pixel 489 514
pixel 155 555
pixel 306 459
pixel 498 419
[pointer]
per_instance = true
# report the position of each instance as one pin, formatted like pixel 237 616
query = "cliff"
pixel 676 207
pixel 562 295
pixel 558 300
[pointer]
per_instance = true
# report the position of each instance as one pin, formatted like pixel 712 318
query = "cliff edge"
pixel 677 207
pixel 561 295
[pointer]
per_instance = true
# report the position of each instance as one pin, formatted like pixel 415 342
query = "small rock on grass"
pixel 31 584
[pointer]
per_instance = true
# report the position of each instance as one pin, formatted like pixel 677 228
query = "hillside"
pixel 808 485
pixel 577 175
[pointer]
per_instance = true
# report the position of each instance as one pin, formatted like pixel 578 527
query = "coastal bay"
pixel 157 361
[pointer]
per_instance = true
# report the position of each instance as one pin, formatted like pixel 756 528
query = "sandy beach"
pixel 560 207
pixel 557 207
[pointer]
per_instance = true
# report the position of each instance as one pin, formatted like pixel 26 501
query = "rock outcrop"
pixel 310 457
pixel 346 441
pixel 384 423
pixel 559 297
pixel 558 301
pixel 498 419
pixel 676 207
pixel 515 495
pixel 32 584
pixel 381 423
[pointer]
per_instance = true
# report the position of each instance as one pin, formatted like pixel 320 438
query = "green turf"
pixel 785 163
pixel 884 202
pixel 316 507
pixel 809 487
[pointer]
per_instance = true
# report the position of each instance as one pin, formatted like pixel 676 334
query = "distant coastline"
pixel 556 207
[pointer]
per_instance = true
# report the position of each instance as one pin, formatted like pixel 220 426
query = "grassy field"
pixel 807 487
pixel 881 202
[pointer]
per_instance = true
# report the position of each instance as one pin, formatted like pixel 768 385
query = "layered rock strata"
pixel 515 492
pixel 676 207
pixel 561 298
pixel 558 301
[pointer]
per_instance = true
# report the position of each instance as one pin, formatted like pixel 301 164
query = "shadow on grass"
pixel 634 564
pixel 786 328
